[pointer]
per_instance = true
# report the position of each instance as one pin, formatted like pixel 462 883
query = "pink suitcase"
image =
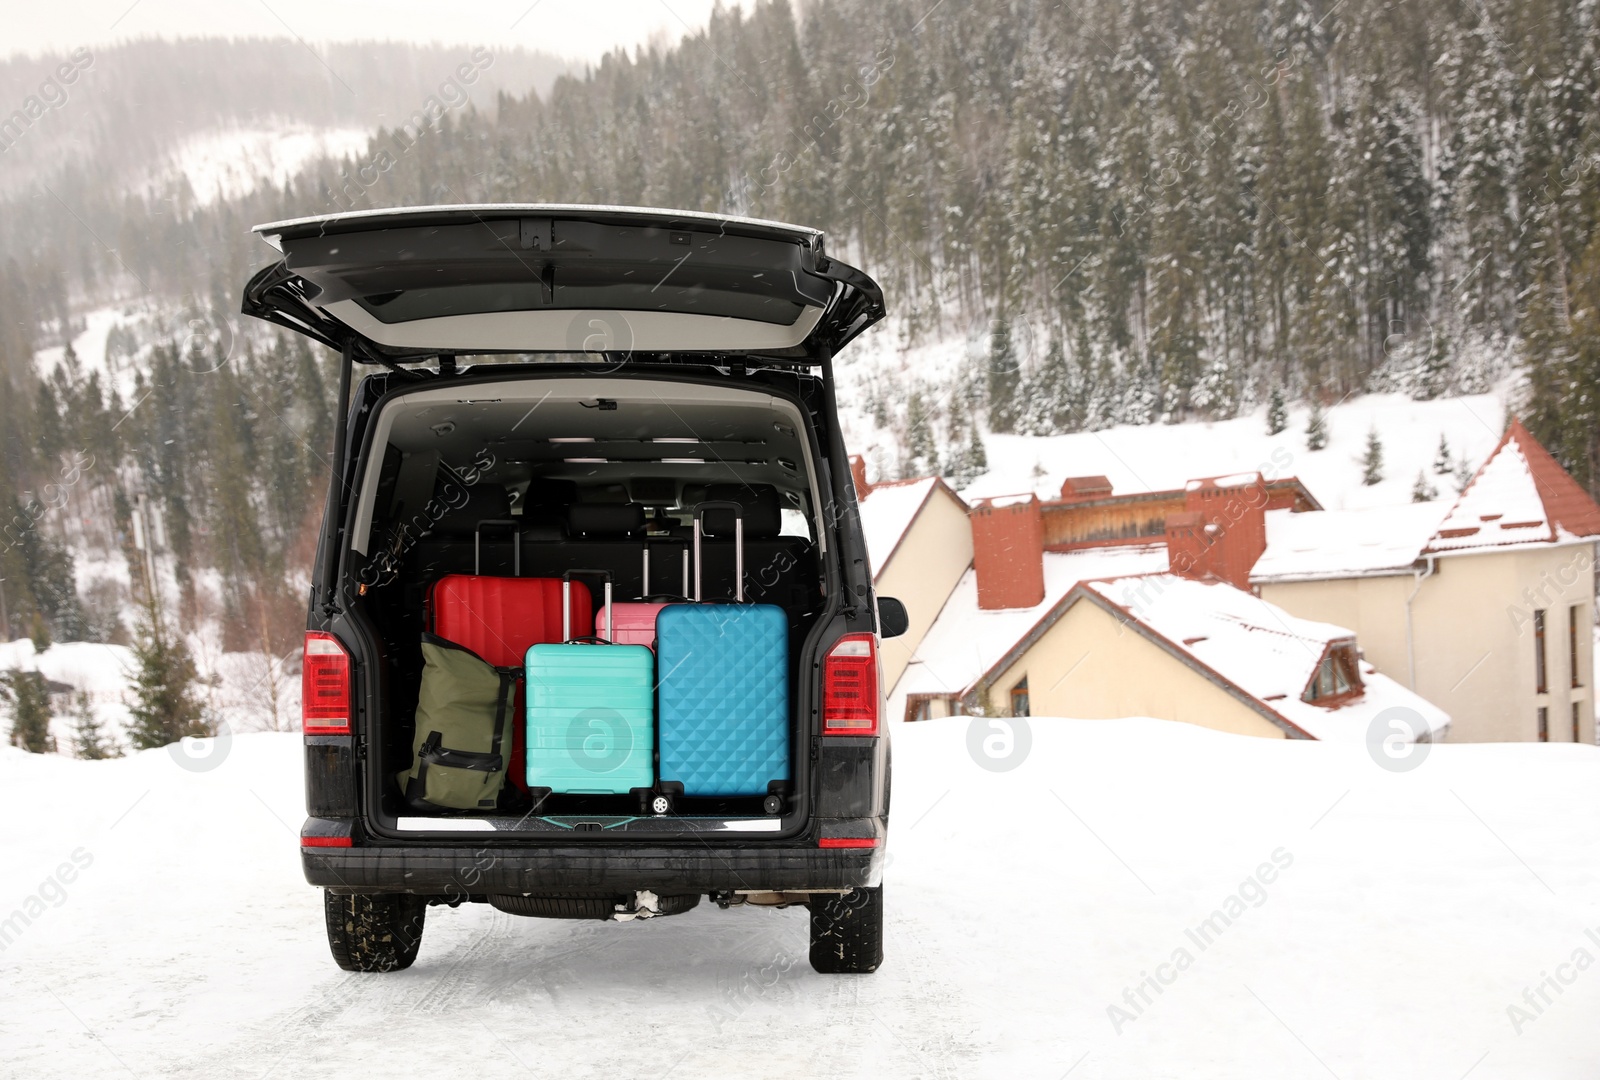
pixel 636 623
pixel 636 619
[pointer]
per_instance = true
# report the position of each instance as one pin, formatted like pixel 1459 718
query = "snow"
pixel 1165 457
pixel 1346 543
pixel 1407 913
pixel 1263 650
pixel 965 641
pixel 231 162
pixel 1002 501
pixel 1236 480
pixel 242 690
pixel 102 671
pixel 1501 506
pixel 886 514
pixel 90 347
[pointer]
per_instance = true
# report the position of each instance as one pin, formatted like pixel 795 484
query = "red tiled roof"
pixel 1565 501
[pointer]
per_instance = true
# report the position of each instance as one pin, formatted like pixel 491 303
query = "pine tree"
pixel 1277 412
pixel 1422 491
pixel 165 707
pixel 1049 397
pixel 1464 473
pixel 972 458
pixel 1003 378
pixel 1316 427
pixel 1434 380
pixel 89 738
pixel 39 633
pixel 1372 460
pixel 1441 460
pixel 29 698
pixel 922 455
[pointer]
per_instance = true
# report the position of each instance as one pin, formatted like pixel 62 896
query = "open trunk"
pixel 532 475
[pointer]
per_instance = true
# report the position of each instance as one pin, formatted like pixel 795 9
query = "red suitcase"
pixel 499 618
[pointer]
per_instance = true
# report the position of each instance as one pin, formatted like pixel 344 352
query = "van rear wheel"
pixel 374 932
pixel 847 932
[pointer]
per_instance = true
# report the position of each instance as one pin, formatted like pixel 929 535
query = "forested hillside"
pixel 1135 211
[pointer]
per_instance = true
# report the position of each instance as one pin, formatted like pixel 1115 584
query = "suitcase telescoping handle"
pixel 566 602
pixel 516 549
pixel 683 576
pixel 738 544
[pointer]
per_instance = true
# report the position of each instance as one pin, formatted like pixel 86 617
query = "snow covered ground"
pixel 1376 923
pixel 230 162
pixel 1157 457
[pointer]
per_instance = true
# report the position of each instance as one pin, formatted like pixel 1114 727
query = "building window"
pixel 1540 683
pixel 1336 677
pixel 919 709
pixel 1544 724
pixel 1577 715
pixel 1019 699
pixel 1572 643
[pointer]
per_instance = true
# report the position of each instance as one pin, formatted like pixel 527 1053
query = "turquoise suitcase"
pixel 590 712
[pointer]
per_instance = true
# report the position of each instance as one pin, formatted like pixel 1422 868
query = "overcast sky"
pixel 582 29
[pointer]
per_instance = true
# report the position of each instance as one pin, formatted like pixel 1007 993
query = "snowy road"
pixel 1374 925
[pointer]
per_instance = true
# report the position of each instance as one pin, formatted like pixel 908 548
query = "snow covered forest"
pixel 1127 212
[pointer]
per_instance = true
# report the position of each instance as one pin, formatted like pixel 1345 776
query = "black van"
pixel 522 365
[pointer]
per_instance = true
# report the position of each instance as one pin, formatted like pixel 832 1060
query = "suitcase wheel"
pixel 772 804
pixel 661 804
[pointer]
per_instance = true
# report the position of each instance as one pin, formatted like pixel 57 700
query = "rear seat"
pixel 448 547
pixel 544 509
pixel 599 536
pixel 777 569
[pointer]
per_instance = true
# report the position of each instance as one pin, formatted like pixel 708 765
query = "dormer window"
pixel 1338 676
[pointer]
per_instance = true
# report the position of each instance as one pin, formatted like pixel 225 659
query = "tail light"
pixel 326 841
pixel 850 686
pixel 324 686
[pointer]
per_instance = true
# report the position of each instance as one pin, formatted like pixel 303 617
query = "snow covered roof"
pixel 1256 649
pixel 965 641
pixel 1520 496
pixel 1016 499
pixel 1346 543
pixel 1243 479
pixel 888 511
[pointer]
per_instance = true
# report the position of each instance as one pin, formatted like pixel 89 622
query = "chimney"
pixel 1187 545
pixel 858 473
pixel 1074 488
pixel 1008 552
pixel 1222 531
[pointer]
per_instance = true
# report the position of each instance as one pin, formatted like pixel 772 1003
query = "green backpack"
pixel 462 710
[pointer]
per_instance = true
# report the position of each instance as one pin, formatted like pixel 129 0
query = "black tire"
pixel 847 932
pixel 379 932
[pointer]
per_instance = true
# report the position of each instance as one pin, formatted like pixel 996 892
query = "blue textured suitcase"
pixel 590 713
pixel 724 694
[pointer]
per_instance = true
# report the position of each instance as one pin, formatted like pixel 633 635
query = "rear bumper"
pixel 459 871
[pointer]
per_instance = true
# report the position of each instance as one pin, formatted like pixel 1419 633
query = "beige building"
pixel 1200 652
pixel 1484 606
pixel 920 545
pixel 1110 631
